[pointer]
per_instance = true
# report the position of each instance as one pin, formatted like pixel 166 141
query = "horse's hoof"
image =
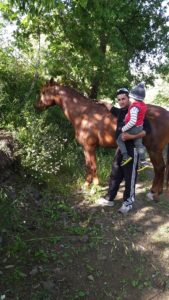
pixel 96 181
pixel 86 184
pixel 150 196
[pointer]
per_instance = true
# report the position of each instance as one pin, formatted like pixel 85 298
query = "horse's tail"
pixel 167 169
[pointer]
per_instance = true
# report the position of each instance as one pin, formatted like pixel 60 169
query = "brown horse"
pixel 95 126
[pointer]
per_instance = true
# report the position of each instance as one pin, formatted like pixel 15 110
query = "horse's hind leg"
pixel 90 158
pixel 159 168
pixel 167 170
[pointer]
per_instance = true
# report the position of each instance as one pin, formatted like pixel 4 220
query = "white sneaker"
pixel 104 202
pixel 150 196
pixel 125 208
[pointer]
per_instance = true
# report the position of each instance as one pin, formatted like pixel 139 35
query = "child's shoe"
pixel 143 164
pixel 125 161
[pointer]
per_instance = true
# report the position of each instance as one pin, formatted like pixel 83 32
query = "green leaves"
pixel 83 3
pixel 91 44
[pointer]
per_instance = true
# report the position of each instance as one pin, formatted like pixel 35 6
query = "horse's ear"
pixel 51 81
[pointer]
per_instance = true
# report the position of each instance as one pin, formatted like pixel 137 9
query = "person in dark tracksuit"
pixel 128 172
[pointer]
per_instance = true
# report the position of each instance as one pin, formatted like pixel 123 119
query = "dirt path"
pixel 134 253
pixel 60 247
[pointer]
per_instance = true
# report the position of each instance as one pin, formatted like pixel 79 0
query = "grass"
pixel 54 248
pixel 39 235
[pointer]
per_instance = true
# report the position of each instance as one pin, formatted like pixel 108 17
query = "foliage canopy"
pixel 91 44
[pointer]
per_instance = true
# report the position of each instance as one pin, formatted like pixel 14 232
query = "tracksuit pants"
pixel 128 173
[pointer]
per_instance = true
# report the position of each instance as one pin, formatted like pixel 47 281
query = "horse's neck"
pixel 73 105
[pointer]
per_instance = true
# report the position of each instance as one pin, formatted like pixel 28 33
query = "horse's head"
pixel 48 95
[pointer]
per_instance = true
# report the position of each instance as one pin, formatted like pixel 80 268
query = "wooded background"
pixel 93 46
pixel 54 242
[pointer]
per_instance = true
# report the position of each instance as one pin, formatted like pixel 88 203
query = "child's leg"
pixel 143 164
pixel 138 142
pixel 122 147
pixel 140 148
pixel 123 150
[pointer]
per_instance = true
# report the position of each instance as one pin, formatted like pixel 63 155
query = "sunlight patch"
pixel 141 214
pixel 162 233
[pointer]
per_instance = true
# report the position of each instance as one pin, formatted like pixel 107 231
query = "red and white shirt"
pixel 135 115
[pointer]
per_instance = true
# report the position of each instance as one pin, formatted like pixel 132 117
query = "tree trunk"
pixel 98 77
pixel 94 88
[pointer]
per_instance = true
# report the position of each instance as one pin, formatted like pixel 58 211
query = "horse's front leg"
pixel 90 158
pixel 159 169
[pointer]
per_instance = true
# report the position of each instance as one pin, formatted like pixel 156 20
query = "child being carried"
pixel 134 125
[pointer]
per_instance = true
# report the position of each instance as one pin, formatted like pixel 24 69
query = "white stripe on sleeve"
pixel 133 119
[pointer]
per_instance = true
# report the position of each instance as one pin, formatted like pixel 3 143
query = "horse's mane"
pixel 93 101
pixel 73 91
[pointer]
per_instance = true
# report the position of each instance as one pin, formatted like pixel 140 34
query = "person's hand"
pixel 126 136
pixel 107 104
